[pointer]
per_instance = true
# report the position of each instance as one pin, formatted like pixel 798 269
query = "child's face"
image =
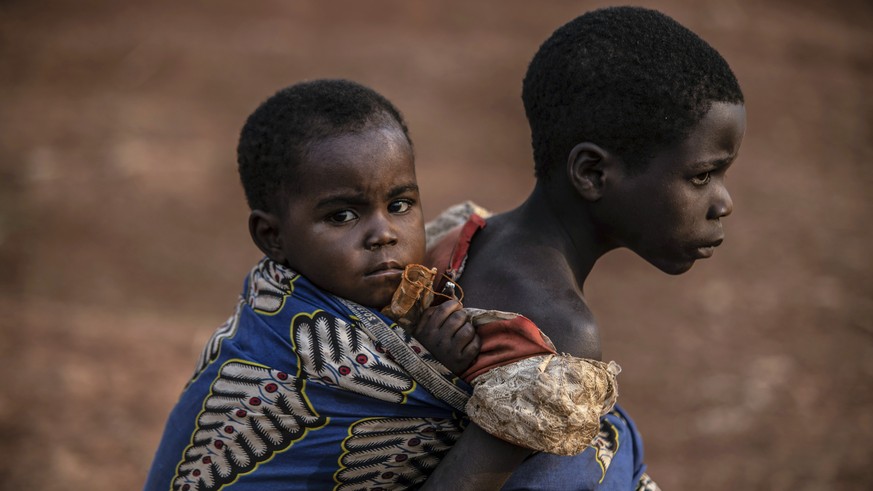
pixel 669 213
pixel 354 219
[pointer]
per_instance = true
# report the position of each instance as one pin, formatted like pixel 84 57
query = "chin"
pixel 374 300
pixel 675 269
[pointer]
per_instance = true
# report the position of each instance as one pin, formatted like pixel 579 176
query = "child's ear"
pixel 266 234
pixel 587 169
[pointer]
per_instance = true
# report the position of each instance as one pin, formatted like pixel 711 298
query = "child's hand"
pixel 448 334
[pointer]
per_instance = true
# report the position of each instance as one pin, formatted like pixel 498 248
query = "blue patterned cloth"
pixel 290 393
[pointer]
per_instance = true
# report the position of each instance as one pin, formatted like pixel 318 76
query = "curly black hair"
pixel 629 79
pixel 277 135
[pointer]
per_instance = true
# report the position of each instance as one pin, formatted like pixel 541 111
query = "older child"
pixel 292 392
pixel 634 121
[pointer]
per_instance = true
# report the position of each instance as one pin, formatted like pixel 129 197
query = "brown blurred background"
pixel 123 241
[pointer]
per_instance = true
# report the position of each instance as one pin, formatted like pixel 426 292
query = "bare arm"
pixel 477 462
pixel 547 295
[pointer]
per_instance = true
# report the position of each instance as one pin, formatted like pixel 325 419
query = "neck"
pixel 565 224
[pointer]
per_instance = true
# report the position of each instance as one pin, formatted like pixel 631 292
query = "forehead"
pixel 370 160
pixel 714 140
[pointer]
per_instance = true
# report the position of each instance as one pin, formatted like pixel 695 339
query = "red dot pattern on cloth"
pixel 271 387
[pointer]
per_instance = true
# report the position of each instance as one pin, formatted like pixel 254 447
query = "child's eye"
pixel 342 216
pixel 701 179
pixel 400 206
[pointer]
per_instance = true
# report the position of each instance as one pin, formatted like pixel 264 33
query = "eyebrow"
pixel 715 163
pixel 401 189
pixel 358 198
pixel 341 198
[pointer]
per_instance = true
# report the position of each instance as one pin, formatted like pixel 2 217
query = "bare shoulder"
pixel 560 311
pixel 538 286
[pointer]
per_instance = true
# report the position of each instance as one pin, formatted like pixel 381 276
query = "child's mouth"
pixel 388 268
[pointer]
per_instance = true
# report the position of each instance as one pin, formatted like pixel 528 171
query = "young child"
pixel 634 121
pixel 291 392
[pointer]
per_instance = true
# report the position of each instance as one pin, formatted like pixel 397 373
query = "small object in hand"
pixel 413 296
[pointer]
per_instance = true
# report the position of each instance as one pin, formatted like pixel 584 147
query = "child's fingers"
pixel 432 320
pixel 463 333
pixel 436 316
pixel 447 308
pixel 471 350
pixel 455 322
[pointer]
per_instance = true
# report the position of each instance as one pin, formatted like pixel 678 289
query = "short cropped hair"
pixel 629 79
pixel 277 135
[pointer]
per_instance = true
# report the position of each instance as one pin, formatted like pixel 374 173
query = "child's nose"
pixel 381 233
pixel 722 205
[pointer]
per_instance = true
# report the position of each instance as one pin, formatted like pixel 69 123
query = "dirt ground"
pixel 123 241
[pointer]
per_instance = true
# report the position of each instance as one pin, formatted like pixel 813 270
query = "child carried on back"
pixel 297 388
